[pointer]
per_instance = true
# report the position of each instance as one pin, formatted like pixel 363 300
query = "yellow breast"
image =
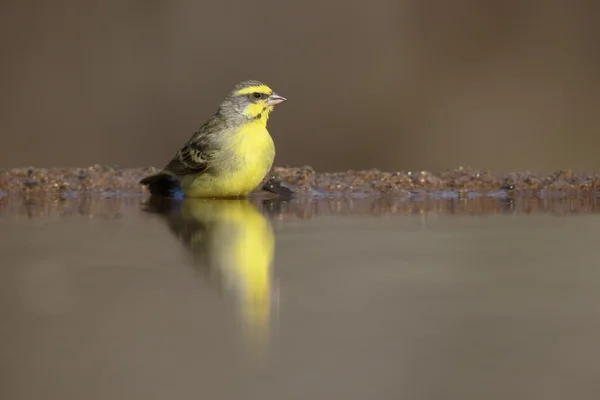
pixel 247 156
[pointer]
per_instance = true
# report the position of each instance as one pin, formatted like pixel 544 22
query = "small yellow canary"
pixel 230 154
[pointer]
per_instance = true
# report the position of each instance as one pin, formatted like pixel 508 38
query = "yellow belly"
pixel 244 162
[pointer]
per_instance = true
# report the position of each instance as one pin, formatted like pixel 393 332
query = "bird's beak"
pixel 275 99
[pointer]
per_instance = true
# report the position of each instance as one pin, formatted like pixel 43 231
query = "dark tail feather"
pixel 163 185
pixel 275 185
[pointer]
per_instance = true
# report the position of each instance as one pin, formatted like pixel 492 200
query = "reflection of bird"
pixel 231 238
pixel 230 154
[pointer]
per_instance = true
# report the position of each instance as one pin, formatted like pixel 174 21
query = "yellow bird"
pixel 230 154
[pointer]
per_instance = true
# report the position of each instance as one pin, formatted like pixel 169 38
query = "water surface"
pixel 351 299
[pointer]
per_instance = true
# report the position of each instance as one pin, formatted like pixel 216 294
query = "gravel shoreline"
pixel 107 180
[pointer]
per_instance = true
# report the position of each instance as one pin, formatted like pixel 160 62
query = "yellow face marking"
pixel 259 111
pixel 260 89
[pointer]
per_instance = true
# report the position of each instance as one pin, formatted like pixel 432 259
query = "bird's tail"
pixel 164 185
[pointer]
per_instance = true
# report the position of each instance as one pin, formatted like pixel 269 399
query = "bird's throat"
pixel 259 112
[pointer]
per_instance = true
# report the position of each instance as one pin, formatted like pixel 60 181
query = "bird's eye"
pixel 257 95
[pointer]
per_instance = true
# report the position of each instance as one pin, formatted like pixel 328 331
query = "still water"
pixel 300 299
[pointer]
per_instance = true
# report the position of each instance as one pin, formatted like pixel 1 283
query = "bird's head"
pixel 252 100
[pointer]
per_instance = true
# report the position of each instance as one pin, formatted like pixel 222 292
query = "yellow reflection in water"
pixel 235 241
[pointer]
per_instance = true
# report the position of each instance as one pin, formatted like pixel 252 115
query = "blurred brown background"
pixel 393 84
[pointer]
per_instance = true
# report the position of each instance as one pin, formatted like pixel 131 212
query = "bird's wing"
pixel 192 158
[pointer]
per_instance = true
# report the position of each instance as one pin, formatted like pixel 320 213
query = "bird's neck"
pixel 258 113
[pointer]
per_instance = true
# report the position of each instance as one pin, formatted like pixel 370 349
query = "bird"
pixel 230 155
